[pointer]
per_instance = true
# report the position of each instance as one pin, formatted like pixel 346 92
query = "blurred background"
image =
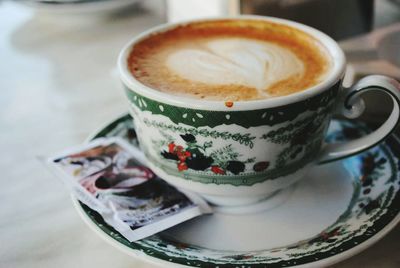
pixel 59 83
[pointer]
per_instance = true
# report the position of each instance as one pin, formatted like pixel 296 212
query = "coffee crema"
pixel 233 60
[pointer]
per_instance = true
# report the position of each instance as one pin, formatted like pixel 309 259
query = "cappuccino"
pixel 233 60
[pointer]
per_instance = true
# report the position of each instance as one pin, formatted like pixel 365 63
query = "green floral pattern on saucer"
pixel 371 209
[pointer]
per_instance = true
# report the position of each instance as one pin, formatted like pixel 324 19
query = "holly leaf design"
pixel 208 144
pixel 235 167
pixel 188 138
pixel 225 154
pixel 250 160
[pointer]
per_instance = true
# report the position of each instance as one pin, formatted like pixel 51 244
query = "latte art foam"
pixel 236 61
pixel 229 60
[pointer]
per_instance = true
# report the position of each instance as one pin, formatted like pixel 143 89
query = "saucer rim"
pixel 157 261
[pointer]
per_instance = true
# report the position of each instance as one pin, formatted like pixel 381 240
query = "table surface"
pixel 59 84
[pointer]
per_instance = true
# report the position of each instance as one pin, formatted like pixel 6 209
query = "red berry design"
pixel 182 155
pixel 171 147
pixel 217 170
pixel 182 166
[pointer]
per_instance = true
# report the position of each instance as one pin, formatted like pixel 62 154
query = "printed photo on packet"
pixel 109 171
pixel 104 167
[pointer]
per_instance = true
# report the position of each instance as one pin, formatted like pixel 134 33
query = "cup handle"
pixel 352 106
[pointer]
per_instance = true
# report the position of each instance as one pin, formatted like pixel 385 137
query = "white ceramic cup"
pixel 239 154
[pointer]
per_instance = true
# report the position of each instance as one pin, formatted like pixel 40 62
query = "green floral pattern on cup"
pixel 223 147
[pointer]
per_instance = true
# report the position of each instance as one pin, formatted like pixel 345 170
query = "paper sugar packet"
pixel 110 176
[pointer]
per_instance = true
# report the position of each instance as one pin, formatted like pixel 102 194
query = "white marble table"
pixel 58 83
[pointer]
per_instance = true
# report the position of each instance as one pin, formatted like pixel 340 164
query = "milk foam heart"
pixel 229 60
pixel 236 61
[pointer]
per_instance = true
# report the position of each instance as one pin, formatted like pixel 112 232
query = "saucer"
pixel 338 210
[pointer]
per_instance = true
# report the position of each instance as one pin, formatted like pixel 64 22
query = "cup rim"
pixel 336 73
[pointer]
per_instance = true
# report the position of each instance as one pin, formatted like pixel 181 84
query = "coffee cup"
pixel 238 152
